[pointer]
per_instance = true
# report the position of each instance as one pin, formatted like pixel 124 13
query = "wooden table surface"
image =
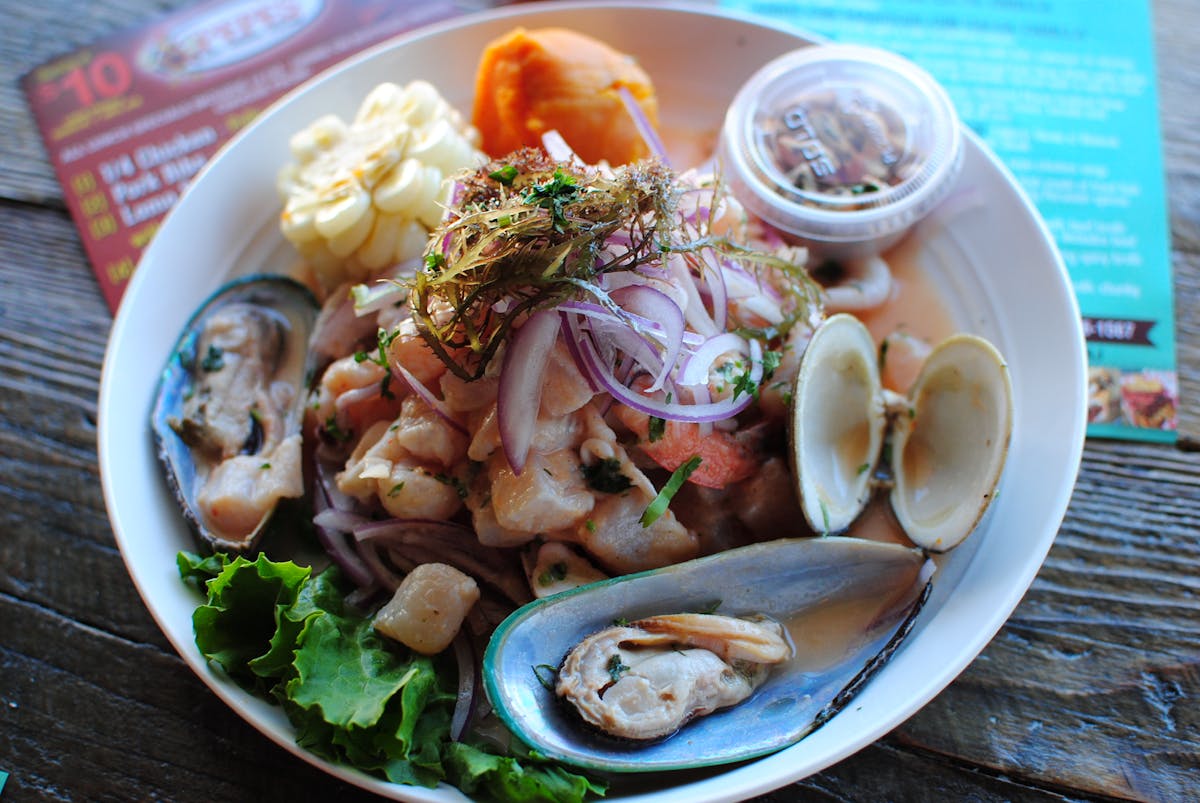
pixel 1090 692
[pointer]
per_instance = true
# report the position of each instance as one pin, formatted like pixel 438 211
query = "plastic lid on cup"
pixel 841 145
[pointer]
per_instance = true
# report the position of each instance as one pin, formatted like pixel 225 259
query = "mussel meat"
pixel 647 679
pixel 229 409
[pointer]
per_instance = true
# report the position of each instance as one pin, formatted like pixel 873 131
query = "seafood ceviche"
pixel 521 353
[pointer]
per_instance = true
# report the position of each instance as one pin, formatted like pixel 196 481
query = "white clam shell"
pixel 837 423
pixel 949 444
pixel 948 455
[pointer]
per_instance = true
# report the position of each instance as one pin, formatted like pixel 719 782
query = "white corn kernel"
pixel 320 136
pixel 348 240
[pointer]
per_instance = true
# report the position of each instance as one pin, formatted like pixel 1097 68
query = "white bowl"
pixel 986 247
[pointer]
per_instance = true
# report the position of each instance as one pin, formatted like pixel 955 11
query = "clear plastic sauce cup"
pixel 842 147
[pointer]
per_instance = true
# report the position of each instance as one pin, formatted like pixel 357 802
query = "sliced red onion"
pixel 569 325
pixel 434 541
pixel 464 703
pixel 756 361
pixel 557 148
pixel 656 305
pixel 698 367
pixel 342 521
pixel 427 396
pixel 391 528
pixel 326 493
pixel 714 280
pixel 336 544
pixel 642 123
pixel 520 391
pixel 333 526
pixel 628 319
pixel 338 329
pixel 694 312
pixel 386 578
pixel 649 405
pixel 763 307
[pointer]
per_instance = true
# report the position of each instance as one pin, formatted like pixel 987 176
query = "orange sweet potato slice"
pixel 533 81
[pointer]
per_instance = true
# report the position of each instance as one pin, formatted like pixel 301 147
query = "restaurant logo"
pixel 226 34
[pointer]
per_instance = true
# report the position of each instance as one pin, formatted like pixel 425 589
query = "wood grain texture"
pixel 32 34
pixel 1176 22
pixel 1090 692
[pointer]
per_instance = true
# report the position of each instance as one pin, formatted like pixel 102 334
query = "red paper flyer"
pixel 128 120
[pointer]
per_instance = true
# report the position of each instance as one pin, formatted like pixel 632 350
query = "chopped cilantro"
pixel 605 476
pixel 658 427
pixel 616 668
pixel 504 175
pixel 454 482
pixel 434 262
pixel 744 384
pixel 214 359
pixel 771 361
pixel 554 195
pixel 395 489
pixel 383 339
pixel 334 430
pixel 678 477
pixel 554 573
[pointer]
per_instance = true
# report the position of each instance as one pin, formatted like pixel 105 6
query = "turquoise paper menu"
pixel 1064 92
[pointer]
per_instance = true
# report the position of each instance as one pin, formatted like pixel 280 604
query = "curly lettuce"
pixel 284 633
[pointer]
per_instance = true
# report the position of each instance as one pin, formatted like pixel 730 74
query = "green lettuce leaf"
pixel 353 697
pixel 504 778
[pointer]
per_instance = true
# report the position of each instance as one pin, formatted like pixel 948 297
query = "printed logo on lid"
pixel 225 35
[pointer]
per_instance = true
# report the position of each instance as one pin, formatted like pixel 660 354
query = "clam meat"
pixel 229 408
pixel 647 679
pixel 948 437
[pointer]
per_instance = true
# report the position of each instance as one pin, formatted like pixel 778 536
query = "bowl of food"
pixel 469 379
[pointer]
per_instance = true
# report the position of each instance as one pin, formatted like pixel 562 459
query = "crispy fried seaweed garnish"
pixel 527 232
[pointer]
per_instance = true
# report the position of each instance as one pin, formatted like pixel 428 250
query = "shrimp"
pixel 351 396
pixel 408 348
pixel 868 285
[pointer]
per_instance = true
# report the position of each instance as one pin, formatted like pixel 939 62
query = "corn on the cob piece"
pixel 362 196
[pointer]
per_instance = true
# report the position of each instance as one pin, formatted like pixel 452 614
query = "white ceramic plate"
pixel 990 253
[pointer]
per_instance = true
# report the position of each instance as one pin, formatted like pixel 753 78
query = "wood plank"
pixel 34 33
pixel 89 715
pixel 1176 23
pixel 1099 662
